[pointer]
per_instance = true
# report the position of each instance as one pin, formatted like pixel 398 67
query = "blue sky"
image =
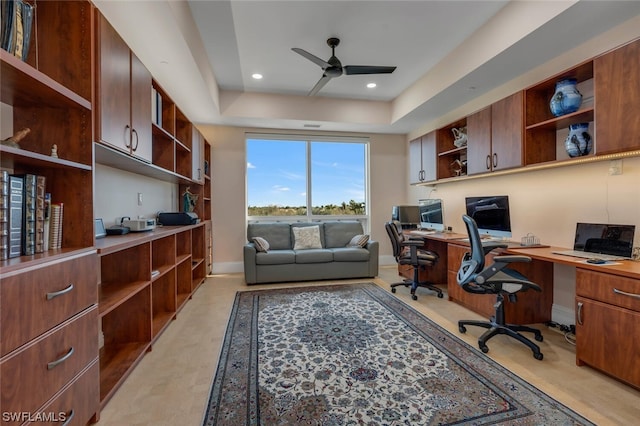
pixel 276 172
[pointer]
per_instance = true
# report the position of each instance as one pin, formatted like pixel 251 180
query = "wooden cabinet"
pixel 506 133
pixel 48 320
pixel 124 95
pixel 607 315
pixel 197 156
pixel 617 99
pixel 145 279
pixel 422 159
pixel 479 142
pixel 530 308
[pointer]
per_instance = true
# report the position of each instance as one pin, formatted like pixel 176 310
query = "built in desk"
pixel 607 303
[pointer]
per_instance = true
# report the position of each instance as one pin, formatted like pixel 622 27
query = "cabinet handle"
pixel 134 132
pixel 624 293
pixel 127 136
pixel 65 357
pixel 495 160
pixel 60 292
pixel 488 162
pixel 580 313
pixel 69 417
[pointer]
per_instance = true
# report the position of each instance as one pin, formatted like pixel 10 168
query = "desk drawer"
pixel 31 376
pixel 615 290
pixel 37 300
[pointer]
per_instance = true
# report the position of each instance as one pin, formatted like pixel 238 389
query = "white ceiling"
pixel 446 53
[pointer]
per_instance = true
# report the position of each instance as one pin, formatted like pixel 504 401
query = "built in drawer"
pixel 35 373
pixel 608 288
pixel 77 404
pixel 36 300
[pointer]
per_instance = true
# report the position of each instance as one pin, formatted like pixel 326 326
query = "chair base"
pixel 414 286
pixel 511 330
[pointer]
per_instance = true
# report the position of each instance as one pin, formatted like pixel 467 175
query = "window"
pixel 306 177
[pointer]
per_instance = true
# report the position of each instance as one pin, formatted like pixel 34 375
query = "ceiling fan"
pixel 333 67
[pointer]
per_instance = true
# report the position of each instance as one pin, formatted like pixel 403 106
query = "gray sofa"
pixel 334 260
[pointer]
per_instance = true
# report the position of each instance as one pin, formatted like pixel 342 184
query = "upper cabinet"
pixel 197 156
pixel 527 129
pixel 123 93
pixel 422 159
pixel 617 99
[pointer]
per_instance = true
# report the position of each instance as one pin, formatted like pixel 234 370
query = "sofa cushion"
pixel 261 244
pixel 277 234
pixel 358 241
pixel 320 225
pixel 350 254
pixel 339 234
pixel 307 237
pixel 276 257
pixel 314 256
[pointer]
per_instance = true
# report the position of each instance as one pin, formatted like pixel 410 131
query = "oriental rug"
pixel 356 355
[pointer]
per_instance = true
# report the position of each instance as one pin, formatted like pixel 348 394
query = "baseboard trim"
pixel 227 267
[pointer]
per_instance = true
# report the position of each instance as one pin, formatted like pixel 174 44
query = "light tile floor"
pixel 171 384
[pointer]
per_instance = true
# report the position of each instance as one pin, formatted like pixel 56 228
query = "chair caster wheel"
pixel 538 356
pixel 440 295
pixel 484 348
pixel 539 338
pixel 462 329
pixel 393 289
pixel 414 297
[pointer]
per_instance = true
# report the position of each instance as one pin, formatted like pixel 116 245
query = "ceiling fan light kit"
pixel 333 67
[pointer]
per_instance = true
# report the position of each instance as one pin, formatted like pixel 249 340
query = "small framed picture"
pixel 98 225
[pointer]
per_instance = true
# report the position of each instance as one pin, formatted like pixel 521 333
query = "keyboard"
pixel 421 232
pixel 588 255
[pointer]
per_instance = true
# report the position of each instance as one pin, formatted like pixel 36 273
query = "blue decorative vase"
pixel 579 141
pixel 566 99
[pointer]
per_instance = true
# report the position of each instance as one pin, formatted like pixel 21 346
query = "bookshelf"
pixel 51 94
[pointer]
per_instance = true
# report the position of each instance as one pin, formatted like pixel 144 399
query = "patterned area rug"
pixel 356 355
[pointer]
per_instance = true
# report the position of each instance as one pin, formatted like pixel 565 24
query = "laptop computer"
pixel 602 241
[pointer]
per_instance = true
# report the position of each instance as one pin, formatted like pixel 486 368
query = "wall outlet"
pixel 615 167
pixel 139 198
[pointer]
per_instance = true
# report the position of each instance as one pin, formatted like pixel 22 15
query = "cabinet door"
pixel 140 110
pixel 429 157
pixel 197 153
pixel 114 88
pixel 506 132
pixel 479 142
pixel 415 161
pixel 617 99
pixel 608 338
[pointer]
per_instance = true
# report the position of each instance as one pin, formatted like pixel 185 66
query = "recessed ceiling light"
pixel 371 85
pixel 257 76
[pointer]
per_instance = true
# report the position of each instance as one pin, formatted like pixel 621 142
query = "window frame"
pixel 308 140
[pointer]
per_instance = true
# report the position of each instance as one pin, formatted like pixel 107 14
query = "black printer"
pixel 178 218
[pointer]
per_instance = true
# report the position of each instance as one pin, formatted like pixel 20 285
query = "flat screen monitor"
pixel 431 215
pixel 491 214
pixel 408 216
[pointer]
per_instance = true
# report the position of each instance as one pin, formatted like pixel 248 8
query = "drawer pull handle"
pixel 59 293
pixel 580 313
pixel 69 418
pixel 624 293
pixel 55 363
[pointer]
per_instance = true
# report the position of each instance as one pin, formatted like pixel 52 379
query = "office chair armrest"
pixel 415 243
pixel 492 245
pixel 511 259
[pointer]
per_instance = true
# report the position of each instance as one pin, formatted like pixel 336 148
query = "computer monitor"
pixel 491 214
pixel 408 216
pixel 431 214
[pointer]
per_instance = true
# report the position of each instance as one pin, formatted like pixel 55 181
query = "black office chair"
pixel 408 252
pixel 496 279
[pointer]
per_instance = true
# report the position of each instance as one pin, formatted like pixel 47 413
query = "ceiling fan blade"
pixel 319 85
pixel 313 58
pixel 367 69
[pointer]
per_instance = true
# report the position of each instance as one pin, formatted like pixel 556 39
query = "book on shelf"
pixel 16 188
pixel 28 233
pixel 17 27
pixel 55 226
pixel 47 221
pixel 4 214
pixel 40 206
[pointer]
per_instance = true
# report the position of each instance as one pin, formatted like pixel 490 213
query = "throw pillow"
pixel 306 237
pixel 358 241
pixel 261 244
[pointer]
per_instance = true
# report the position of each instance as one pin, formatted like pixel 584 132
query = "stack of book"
pixel 16 28
pixel 24 215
